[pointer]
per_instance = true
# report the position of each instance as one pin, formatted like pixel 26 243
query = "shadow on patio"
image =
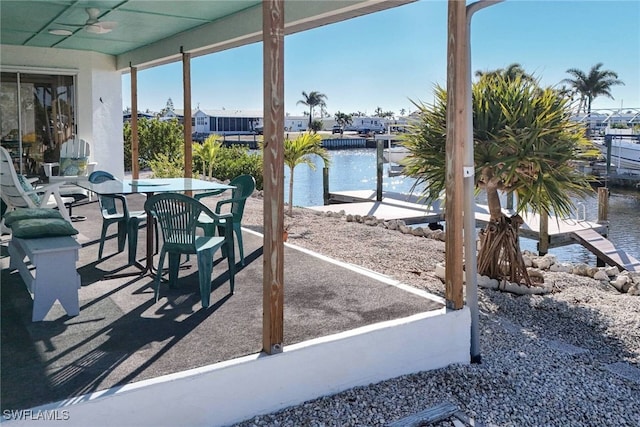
pixel 122 336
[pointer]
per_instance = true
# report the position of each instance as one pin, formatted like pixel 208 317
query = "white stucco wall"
pixel 99 95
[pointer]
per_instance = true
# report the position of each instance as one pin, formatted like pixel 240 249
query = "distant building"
pixel 126 117
pixel 599 120
pixel 224 122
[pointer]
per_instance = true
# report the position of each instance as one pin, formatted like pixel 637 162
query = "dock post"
pixel 603 215
pixel 379 167
pixel 543 242
pixel 510 200
pixel 325 185
pixel 603 205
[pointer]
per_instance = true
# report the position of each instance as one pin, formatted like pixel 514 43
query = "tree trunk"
pixel 291 193
pixel 500 256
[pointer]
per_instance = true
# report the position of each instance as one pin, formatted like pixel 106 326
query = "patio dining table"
pixel 150 186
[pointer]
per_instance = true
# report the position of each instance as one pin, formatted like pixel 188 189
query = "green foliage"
pixel 154 137
pixel 316 125
pixel 205 154
pixel 523 142
pixel 343 119
pixel 166 165
pixel 593 84
pixel 237 160
pixel 312 100
pixel 300 151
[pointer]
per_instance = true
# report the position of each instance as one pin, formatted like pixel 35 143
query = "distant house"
pixel 126 117
pixel 170 115
pixel 296 123
pixel 224 122
pixel 598 121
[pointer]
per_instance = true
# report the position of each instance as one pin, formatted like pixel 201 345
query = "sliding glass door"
pixel 37 114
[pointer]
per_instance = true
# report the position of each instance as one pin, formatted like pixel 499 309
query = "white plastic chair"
pixel 17 191
pixel 74 165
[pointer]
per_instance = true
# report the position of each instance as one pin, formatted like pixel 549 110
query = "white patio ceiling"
pixel 153 32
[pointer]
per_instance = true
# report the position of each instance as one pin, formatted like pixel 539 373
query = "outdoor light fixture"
pixel 60 32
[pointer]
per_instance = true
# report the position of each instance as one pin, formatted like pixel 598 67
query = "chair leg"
pixel 231 262
pixel 103 236
pixel 174 266
pixel 159 274
pixel 132 235
pixel 122 235
pixel 238 232
pixel 205 270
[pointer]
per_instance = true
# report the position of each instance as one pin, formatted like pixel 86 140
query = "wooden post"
pixel 543 239
pixel 273 162
pixel 379 168
pixel 325 185
pixel 603 214
pixel 603 205
pixel 510 200
pixel 456 134
pixel 135 166
pixel 186 87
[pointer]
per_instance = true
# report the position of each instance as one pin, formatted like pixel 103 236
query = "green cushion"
pixel 29 213
pixel 42 227
pixel 70 166
pixel 26 186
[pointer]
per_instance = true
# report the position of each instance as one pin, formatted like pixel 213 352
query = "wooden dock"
pixel 410 209
pixel 605 250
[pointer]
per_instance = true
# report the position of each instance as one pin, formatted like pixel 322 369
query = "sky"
pixel 391 59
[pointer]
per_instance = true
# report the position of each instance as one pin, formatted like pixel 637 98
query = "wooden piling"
pixel 379 168
pixel 603 205
pixel 325 186
pixel 543 242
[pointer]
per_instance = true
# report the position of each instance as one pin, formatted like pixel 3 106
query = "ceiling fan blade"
pixel 100 27
pixel 70 25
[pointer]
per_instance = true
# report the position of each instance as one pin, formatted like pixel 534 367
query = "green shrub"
pixel 237 160
pixel 166 165
pixel 154 137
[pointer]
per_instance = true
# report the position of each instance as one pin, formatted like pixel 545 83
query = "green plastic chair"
pixel 114 210
pixel 244 187
pixel 177 215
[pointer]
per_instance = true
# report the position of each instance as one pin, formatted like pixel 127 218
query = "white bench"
pixel 55 276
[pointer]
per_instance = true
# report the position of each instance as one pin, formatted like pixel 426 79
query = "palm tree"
pixel 511 72
pixel 596 83
pixel 312 100
pixel 207 153
pixel 301 150
pixel 343 120
pixel 524 144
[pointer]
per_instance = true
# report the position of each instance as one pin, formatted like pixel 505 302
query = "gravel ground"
pixel 569 358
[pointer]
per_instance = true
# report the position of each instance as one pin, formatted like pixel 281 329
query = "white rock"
pixel 612 271
pixel 404 229
pixel 591 271
pixel 542 263
pixel 528 259
pixel 562 267
pixel 634 290
pixel 601 275
pixel 619 282
pixel 418 231
pixel 581 269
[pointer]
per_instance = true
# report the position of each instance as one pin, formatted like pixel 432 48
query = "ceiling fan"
pixel 93 25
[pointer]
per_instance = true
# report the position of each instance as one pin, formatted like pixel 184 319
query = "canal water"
pixel 355 169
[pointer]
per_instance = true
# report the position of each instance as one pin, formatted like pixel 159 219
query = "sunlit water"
pixel 355 169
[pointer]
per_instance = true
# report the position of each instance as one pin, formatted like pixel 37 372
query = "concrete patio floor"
pixel 123 341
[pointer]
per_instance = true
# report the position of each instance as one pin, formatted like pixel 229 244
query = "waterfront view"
pixel 356 170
